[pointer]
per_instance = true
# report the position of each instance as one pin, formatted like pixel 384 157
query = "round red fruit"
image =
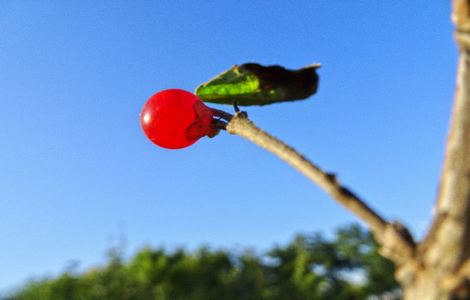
pixel 176 119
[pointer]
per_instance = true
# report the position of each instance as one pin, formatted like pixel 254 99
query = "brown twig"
pixel 394 238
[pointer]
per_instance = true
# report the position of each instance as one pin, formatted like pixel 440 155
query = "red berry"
pixel 176 119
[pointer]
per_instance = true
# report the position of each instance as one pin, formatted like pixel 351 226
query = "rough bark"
pixel 440 269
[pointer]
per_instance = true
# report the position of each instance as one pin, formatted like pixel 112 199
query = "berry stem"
pixel 222 114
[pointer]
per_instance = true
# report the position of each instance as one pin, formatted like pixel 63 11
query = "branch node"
pixel 397 243
pixel 241 114
pixel 463 39
pixel 332 177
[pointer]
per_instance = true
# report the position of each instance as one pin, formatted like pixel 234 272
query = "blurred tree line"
pixel 346 266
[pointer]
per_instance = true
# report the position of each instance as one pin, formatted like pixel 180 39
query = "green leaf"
pixel 254 84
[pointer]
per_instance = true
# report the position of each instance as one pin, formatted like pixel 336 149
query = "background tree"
pixel 346 266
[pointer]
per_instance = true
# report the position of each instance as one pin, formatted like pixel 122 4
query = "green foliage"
pixel 309 267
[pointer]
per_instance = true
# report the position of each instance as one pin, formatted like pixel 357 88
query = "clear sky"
pixel 76 171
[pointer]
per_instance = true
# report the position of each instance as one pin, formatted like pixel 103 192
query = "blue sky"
pixel 76 172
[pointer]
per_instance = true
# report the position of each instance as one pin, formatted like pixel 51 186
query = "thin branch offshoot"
pixel 395 240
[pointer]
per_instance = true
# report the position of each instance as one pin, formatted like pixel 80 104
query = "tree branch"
pixel 446 245
pixel 396 242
